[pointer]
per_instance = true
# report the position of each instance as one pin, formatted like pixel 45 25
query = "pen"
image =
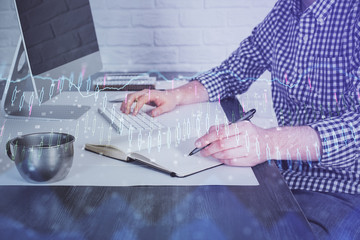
pixel 246 117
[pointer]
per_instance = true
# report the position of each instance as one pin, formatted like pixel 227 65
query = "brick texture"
pixel 144 35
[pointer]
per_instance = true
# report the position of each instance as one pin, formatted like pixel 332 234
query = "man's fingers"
pixel 231 153
pixel 210 137
pixel 140 103
pixel 127 106
pixel 218 133
pixel 131 98
pixel 221 146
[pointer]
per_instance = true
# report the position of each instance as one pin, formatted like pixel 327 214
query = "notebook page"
pixel 175 158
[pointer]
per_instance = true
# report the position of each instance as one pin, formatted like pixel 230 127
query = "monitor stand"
pixel 18 104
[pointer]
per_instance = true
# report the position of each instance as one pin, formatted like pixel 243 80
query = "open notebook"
pixel 173 160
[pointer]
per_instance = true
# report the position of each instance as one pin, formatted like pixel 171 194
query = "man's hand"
pixel 165 101
pixel 238 144
pixel 245 144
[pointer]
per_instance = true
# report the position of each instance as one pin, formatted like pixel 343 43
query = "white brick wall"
pixel 164 35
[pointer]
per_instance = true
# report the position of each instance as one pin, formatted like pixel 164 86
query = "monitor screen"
pixel 59 43
pixel 56 32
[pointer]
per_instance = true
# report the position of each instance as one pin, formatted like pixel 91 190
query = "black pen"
pixel 246 117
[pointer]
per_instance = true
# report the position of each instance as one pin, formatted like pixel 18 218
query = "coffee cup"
pixel 42 157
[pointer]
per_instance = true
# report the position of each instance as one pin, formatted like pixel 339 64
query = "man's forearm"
pixel 192 92
pixel 295 143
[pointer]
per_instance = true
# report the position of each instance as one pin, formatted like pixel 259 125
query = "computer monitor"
pixel 57 49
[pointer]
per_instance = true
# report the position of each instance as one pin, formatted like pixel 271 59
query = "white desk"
pixel 93 170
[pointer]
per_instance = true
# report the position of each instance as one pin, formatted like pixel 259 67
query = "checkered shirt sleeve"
pixel 245 65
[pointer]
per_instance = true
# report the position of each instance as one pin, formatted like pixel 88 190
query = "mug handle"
pixel 8 150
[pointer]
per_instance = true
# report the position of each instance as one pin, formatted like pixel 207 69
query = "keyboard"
pixel 124 124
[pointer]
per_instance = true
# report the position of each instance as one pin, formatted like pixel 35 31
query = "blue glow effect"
pixel 149 145
pixel 268 154
pixel 288 159
pixel 22 99
pixel 278 157
pixel 308 156
pixel 298 157
pixel 257 148
pixel 168 137
pixel 41 97
pixel 247 141
pixel 159 141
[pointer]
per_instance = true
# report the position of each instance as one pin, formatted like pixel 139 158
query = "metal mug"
pixel 42 157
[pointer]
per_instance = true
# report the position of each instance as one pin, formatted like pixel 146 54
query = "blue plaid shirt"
pixel 314 60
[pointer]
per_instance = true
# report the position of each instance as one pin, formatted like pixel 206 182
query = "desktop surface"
pixel 267 211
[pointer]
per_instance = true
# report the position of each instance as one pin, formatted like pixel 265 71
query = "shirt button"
pixel 321 21
pixel 300 71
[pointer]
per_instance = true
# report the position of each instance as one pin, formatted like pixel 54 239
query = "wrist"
pixel 178 95
pixel 271 137
pixel 192 92
pixel 293 141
